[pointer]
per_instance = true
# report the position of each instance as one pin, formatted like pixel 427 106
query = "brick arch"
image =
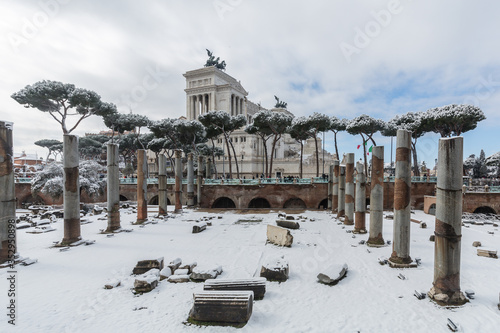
pixel 223 202
pixel 485 210
pixel 323 203
pixel 294 203
pixel 259 203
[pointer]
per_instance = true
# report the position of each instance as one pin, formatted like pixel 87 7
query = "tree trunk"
pixel 265 158
pixel 213 158
pixel 301 157
pixel 235 160
pixel 336 148
pixel 416 170
pixel 228 157
pixel 275 139
pixel 364 150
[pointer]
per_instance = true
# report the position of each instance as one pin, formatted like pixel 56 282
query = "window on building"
pixel 236 139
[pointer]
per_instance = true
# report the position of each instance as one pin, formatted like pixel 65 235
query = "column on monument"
pixel 341 202
pixel 195 106
pixel 377 198
pixel 335 185
pixel 232 104
pixel 178 181
pixel 349 189
pixel 402 185
pixel 448 227
pixel 360 213
pixel 7 195
pixel 188 108
pixel 241 106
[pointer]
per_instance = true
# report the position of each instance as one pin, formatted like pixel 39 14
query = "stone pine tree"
pixel 366 127
pixel 452 120
pixel 337 125
pixel 260 127
pixel 411 121
pixel 300 131
pixel 54 147
pixel 279 122
pixel 60 101
pixel 318 123
pixel 227 124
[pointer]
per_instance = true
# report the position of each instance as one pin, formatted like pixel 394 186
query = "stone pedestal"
pixel 400 256
pixel 71 160
pixel 376 238
pixel 349 189
pixel 7 195
pixel 113 188
pixel 142 186
pixel 360 213
pixel 448 232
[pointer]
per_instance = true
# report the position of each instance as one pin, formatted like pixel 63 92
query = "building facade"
pixel 211 89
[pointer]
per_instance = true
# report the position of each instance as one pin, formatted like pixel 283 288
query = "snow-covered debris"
pixel 202 274
pixel 275 269
pixel 333 274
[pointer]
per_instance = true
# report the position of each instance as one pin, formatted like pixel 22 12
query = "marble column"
pixel 341 202
pixel 376 238
pixel 178 181
pixel 349 189
pixel 7 196
pixel 400 256
pixel 199 180
pixel 448 230
pixel 71 161
pixel 162 185
pixel 360 213
pixel 113 188
pixel 190 178
pixel 335 185
pixel 142 186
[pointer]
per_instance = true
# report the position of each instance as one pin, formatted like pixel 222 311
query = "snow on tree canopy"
pixel 493 160
pixel 49 181
pixel 453 119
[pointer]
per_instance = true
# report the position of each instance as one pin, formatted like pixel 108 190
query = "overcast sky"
pixel 341 58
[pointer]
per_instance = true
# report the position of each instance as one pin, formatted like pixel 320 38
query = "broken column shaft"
pixel 349 189
pixel 162 185
pixel 360 213
pixel 190 178
pixel 448 230
pixel 330 187
pixel 335 185
pixel 377 198
pixel 7 195
pixel 341 202
pixel 400 256
pixel 142 186
pixel 71 160
pixel 178 181
pixel 199 180
pixel 113 188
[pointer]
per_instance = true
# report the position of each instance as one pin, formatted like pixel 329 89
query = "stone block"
pixel 145 265
pixel 222 306
pixel 189 267
pixel 174 264
pixel 275 270
pixel 147 282
pixel 257 285
pixel 476 244
pixel 279 236
pixel 199 227
pixel 288 224
pixel 200 274
pixel 487 253
pixel 178 278
pixel 333 274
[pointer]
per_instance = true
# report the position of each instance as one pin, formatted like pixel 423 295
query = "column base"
pixel 443 298
pixel 360 231
pixel 140 221
pixel 401 263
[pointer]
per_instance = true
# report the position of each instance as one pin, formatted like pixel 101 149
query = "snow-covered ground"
pixel 64 291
